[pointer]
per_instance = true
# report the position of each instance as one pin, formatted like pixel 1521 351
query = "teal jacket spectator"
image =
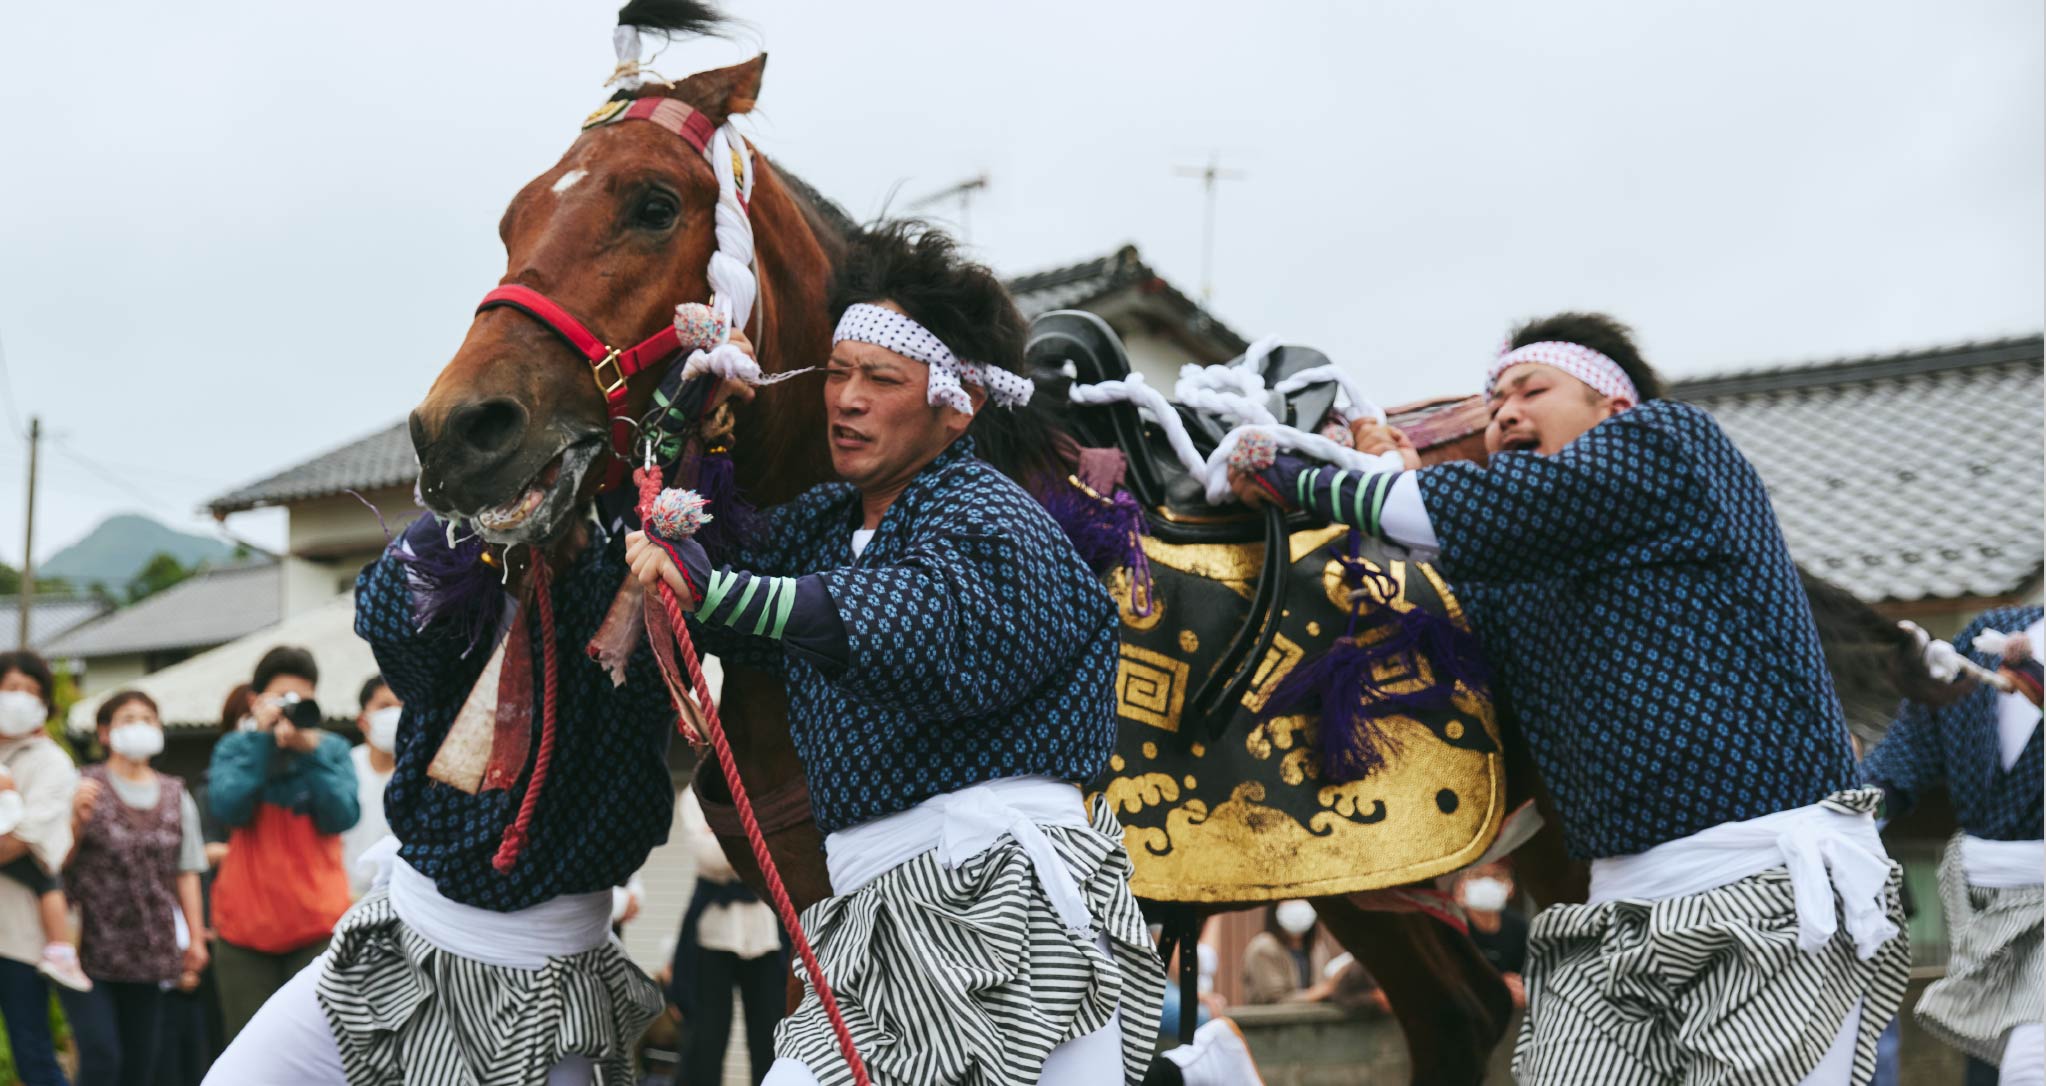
pixel 248 770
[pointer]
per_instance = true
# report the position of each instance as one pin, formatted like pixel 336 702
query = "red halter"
pixel 613 368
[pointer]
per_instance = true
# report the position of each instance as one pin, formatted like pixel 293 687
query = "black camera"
pixel 300 712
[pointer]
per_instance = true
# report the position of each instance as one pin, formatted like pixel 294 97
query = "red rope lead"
pixel 515 834
pixel 649 489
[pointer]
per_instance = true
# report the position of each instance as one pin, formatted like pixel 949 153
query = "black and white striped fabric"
pixel 1993 972
pixel 968 976
pixel 406 1012
pixel 1701 990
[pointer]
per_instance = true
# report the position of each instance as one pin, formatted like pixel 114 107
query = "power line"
pixel 7 395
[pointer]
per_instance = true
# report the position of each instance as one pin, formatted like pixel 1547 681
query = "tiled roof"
pixel 1077 286
pixel 48 618
pixel 1914 476
pixel 211 607
pixel 383 459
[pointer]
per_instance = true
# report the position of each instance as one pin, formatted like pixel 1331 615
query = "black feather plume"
pixel 672 18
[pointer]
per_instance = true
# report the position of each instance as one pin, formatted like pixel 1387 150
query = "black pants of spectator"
pixel 118 1027
pixel 187 1049
pixel 762 984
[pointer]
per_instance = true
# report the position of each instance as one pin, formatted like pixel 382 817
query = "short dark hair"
pixel 284 660
pixel 35 667
pixel 1601 333
pixel 116 700
pixel 369 689
pixel 921 270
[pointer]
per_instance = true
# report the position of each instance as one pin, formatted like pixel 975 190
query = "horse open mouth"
pixel 541 506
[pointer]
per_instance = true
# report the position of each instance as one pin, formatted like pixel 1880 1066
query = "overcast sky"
pixel 235 235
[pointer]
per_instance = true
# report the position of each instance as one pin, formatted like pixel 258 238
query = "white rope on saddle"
pixel 1237 394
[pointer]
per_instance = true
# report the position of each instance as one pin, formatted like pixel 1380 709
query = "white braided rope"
pixel 734 288
pixel 1134 390
pixel 1224 391
pixel 1355 404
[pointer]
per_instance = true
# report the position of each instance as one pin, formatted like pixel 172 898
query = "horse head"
pixel 515 432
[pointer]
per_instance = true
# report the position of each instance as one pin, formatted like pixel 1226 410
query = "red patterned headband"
pixel 1603 374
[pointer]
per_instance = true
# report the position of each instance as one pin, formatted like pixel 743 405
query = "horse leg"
pixel 1452 1006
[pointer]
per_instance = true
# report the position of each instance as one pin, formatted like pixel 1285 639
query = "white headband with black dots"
pixel 1603 374
pixel 883 327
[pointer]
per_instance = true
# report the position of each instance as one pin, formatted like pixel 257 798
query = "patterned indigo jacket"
pixel 978 645
pixel 1639 611
pixel 1958 747
pixel 608 799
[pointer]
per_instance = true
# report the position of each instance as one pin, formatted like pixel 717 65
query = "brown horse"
pixel 617 233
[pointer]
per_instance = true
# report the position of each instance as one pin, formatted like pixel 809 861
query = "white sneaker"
pixel 60 964
pixel 1218 1056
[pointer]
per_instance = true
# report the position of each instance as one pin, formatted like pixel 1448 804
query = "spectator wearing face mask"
pixel 133 874
pixel 1497 927
pixel 374 759
pixel 36 782
pixel 1276 968
pixel 286 789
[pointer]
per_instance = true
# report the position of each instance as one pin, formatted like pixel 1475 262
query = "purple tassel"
pixel 1106 533
pixel 734 523
pixel 451 584
pixel 1343 686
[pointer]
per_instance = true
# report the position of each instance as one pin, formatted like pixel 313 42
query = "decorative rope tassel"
pixel 516 834
pixel 1107 532
pixel 649 496
pixel 1370 674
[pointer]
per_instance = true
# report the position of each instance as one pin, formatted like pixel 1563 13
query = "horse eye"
pixel 657 211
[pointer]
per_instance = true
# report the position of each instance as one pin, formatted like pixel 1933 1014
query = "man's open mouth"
pixel 1520 443
pixel 534 514
pixel 845 437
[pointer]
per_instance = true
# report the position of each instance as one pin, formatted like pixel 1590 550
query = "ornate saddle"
pixel 1174 506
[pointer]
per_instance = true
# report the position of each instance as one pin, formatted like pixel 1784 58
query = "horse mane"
pixel 1029 443
pixel 1874 662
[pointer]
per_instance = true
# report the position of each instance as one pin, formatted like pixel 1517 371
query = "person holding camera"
pixel 285 788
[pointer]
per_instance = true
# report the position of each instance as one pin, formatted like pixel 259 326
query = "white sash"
pixel 523 939
pixel 2003 865
pixel 1828 854
pixel 961 825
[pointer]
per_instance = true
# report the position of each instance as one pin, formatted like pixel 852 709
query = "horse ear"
pixel 724 92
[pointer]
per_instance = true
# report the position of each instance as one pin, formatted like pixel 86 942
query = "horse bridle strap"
pixel 612 367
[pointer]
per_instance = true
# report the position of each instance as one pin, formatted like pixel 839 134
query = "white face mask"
pixel 21 713
pixel 136 740
pixel 383 728
pixel 1297 917
pixel 1485 895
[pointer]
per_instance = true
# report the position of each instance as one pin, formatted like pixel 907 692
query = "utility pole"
pixel 962 192
pixel 28 535
pixel 1209 174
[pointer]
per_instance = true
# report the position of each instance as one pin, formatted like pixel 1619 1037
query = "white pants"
pixel 2024 1056
pixel 288 1043
pixel 1837 1068
pixel 1093 1060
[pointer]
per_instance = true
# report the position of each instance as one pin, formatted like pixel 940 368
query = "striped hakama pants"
pixel 968 970
pixel 1736 984
pixel 1992 986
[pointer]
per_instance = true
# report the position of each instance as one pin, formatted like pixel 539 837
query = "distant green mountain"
pixel 113 553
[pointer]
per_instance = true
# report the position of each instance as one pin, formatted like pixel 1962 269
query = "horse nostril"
pixel 488 426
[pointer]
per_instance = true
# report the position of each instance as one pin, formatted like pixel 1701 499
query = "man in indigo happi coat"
pixel 1984 749
pixel 950 665
pixel 1628 582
